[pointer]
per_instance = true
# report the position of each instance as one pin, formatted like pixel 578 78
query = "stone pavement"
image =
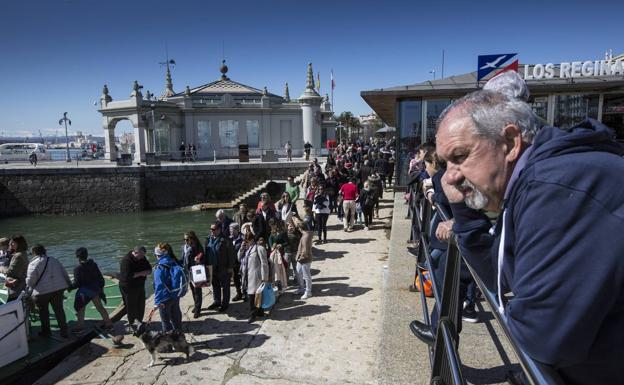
pixel 354 330
pixel 331 338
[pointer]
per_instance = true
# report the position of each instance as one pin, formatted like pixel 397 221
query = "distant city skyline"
pixel 58 54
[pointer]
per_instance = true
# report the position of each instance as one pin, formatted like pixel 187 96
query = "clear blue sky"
pixel 56 55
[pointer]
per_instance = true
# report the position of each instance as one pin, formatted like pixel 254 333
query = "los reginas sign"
pixel 575 69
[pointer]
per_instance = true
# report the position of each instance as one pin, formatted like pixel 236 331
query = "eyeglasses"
pixel 213 229
pixel 186 239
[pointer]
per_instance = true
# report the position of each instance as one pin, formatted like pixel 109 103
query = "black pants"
pixel 197 298
pixel 43 302
pixel 390 179
pixel 368 215
pixel 221 288
pixel 321 225
pixel 332 203
pixel 237 278
pixel 134 300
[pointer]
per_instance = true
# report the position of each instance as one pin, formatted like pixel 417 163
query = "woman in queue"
pixel 253 258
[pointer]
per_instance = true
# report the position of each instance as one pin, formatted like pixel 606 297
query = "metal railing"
pixel 443 356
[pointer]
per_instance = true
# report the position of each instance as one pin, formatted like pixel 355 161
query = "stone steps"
pixel 236 201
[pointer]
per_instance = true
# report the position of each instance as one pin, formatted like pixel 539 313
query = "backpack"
pixel 179 280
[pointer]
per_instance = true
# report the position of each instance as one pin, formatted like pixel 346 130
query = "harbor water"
pixel 108 237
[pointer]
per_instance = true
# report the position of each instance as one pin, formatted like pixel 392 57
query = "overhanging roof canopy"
pixel 383 101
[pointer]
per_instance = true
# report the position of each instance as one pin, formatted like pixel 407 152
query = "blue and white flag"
pixel 488 64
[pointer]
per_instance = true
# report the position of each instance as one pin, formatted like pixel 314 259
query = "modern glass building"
pixel 562 101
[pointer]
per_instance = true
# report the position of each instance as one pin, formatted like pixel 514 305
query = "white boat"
pixel 13 338
pixel 21 151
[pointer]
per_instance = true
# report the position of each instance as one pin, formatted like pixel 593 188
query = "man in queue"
pixel 555 245
pixel 134 268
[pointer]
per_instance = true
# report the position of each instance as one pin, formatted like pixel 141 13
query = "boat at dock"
pixel 24 355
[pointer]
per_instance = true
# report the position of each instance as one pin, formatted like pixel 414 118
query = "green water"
pixel 108 237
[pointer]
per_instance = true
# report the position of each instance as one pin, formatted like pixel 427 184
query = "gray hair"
pixel 502 101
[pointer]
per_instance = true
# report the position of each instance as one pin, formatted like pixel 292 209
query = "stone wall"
pixel 119 189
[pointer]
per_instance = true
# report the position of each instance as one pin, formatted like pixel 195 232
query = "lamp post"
pixel 66 120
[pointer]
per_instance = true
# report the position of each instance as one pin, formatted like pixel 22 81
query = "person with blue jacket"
pixel 165 300
pixel 556 244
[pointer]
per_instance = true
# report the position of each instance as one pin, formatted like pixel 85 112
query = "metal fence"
pixel 444 359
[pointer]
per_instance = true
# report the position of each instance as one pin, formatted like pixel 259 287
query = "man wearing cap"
pixel 133 269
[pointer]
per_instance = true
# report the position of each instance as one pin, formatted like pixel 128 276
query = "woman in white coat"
pixel 254 258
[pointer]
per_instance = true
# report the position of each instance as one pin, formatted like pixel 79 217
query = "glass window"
pixel 434 109
pixel 228 133
pixel 162 138
pixel 571 109
pixel 253 133
pixel 540 106
pixel 203 134
pixel 410 128
pixel 613 114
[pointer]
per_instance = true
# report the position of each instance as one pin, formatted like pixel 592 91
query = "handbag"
pixel 426 283
pixel 268 297
pixel 258 296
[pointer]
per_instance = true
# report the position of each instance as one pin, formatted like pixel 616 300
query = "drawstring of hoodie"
pixel 501 259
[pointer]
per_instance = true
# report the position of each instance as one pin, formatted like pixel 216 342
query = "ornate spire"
pixel 310 83
pixel 224 70
pixel 310 92
pixel 168 83
pixel 286 93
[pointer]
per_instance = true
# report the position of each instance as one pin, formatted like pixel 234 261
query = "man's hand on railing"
pixel 444 230
pixel 453 194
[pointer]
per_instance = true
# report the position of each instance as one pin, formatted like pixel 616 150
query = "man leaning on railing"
pixel 556 245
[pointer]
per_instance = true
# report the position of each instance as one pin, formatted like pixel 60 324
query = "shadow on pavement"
pixel 352 240
pixel 319 255
pixel 215 326
pixel 326 279
pixel 230 343
pixel 338 289
pixel 286 314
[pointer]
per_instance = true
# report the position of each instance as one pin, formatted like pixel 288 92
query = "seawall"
pixel 77 190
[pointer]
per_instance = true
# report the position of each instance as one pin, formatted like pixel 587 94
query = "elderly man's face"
pixel 478 168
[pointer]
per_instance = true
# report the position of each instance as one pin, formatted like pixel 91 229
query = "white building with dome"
pixel 217 117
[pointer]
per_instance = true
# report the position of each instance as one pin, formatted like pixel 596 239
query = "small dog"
pixel 159 342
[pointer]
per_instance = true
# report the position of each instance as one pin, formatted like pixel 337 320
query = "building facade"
pixel 217 117
pixel 561 94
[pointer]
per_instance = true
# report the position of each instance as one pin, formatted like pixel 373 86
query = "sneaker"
pixel 238 297
pixel 306 296
pixel 469 314
pixel 365 228
pixel 214 305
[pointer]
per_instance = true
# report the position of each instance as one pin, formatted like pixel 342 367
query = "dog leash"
pixel 151 314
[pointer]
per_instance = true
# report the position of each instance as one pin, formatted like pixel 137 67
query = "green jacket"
pixel 293 191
